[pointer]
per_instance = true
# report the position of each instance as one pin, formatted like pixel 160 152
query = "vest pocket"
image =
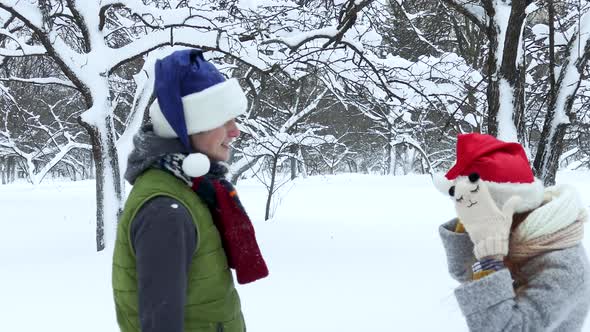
pixel 234 325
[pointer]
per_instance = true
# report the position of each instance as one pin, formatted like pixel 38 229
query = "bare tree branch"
pixel 473 12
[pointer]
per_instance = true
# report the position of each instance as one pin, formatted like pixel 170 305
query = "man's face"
pixel 215 143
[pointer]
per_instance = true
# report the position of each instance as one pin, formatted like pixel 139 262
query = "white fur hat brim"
pixel 531 193
pixel 204 110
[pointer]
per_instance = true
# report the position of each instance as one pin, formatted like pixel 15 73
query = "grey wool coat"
pixel 556 297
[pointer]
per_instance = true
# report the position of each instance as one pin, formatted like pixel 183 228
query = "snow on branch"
pixel 38 177
pixel 25 11
pixel 22 49
pixel 571 73
pixel 39 80
pixel 409 18
pixel 473 11
pixel 155 17
pixel 405 139
pixel 212 40
pixel 307 110
pixel 53 44
pixel 347 18
pixel 296 41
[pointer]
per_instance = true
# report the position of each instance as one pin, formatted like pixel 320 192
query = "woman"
pixel 183 226
pixel 515 246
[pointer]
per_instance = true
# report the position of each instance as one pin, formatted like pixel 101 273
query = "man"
pixel 183 226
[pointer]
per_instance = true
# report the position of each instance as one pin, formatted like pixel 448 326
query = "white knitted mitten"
pixel 487 226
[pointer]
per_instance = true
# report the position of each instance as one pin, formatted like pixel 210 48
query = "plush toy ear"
pixel 441 183
pixel 473 177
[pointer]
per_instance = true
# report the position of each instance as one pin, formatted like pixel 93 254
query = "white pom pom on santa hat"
pixel 196 164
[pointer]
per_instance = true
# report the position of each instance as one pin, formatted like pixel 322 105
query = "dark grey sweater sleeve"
pixel 459 251
pixel 164 239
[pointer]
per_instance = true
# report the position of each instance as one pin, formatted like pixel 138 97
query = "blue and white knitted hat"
pixel 192 96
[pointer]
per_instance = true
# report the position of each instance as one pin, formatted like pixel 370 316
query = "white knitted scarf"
pixel 556 224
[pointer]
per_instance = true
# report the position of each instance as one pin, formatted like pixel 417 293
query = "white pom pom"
pixel 196 164
pixel 442 183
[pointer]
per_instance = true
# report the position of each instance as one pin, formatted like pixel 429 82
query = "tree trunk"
pixel 11 169
pixel 513 66
pixel 74 175
pixel 511 69
pixel 271 188
pixel 293 160
pixel 365 168
pixel 236 173
pixel 493 89
pixel 301 163
pixel 389 152
pixel 520 109
pixel 551 145
pixel 83 170
pixel 7 169
pixel 92 172
pixel 3 169
pixel 108 181
pixel 406 159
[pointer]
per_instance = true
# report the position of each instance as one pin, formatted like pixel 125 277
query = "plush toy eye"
pixel 452 191
pixel 473 177
pixel 459 200
pixel 476 189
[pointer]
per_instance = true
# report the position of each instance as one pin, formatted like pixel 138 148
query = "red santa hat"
pixel 503 166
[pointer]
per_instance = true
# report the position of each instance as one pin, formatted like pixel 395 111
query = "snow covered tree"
pixel 503 22
pixel 535 61
pixel 78 37
pixel 565 82
pixel 89 41
pixel 276 124
pixel 39 132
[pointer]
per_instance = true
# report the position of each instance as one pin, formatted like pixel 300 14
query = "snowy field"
pixel 345 253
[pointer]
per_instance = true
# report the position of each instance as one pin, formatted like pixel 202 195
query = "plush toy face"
pixel 465 190
pixel 471 193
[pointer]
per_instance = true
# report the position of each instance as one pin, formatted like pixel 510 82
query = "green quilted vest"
pixel 212 304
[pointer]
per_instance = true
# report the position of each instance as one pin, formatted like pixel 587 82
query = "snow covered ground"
pixel 345 253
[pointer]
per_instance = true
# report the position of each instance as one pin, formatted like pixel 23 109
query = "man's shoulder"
pixel 164 210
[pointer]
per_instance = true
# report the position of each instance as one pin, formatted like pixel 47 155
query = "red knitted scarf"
pixel 234 225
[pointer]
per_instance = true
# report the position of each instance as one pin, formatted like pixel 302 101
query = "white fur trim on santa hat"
pixel 195 165
pixel 204 110
pixel 531 194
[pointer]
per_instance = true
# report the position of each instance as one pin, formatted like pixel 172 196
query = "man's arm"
pixel 164 239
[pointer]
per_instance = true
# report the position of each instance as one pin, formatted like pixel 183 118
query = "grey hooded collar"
pixel 149 148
